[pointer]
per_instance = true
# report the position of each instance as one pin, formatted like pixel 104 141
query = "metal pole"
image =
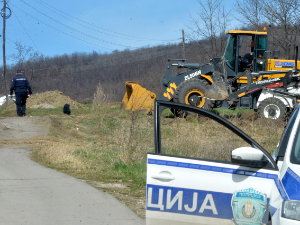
pixel 4 57
pixel 183 44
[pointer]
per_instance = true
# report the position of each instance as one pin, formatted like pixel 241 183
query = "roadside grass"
pixel 95 146
pixel 103 144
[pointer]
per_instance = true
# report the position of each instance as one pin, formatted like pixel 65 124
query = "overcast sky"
pixel 59 27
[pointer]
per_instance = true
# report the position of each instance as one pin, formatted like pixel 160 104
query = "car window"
pixel 201 135
pixel 286 137
pixel 295 153
pixel 198 137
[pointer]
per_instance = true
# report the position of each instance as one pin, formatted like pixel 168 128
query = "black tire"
pixel 272 108
pixel 189 92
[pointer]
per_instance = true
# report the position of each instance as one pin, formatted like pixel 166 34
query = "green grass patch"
pixel 230 112
pixel 135 172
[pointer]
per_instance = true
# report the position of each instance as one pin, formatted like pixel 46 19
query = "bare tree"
pixel 210 23
pixel 282 15
pixel 251 13
pixel 223 21
pixel 24 54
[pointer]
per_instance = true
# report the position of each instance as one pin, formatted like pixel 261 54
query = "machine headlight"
pixel 291 209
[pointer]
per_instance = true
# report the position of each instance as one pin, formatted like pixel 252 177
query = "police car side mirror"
pixel 248 156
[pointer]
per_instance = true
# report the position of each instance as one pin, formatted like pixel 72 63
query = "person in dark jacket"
pixel 20 85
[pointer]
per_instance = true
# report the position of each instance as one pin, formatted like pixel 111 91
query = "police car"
pixel 253 187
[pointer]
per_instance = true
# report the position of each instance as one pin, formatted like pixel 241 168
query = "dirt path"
pixel 23 127
pixel 33 194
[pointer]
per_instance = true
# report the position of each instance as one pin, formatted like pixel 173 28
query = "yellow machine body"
pixel 273 64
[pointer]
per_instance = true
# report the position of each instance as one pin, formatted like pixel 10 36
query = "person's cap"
pixel 19 71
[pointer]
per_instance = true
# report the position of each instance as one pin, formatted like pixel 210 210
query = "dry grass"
pixel 204 138
pixel 59 153
pixel 110 145
pixel 116 137
pixel 266 132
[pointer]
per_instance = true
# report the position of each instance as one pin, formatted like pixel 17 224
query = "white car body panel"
pixel 214 202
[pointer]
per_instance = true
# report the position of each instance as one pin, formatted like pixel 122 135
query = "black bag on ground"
pixel 67 109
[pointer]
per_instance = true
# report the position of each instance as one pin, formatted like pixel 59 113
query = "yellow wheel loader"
pixel 247 76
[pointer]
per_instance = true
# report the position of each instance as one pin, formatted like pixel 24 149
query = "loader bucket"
pixel 217 91
pixel 138 98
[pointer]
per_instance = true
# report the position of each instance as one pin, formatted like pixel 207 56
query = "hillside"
pixel 77 75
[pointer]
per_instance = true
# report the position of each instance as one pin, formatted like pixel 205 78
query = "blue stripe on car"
pixel 185 203
pixel 221 201
pixel 291 183
pixel 225 170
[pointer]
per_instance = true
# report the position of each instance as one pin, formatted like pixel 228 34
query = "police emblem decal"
pixel 248 206
pixel 248 210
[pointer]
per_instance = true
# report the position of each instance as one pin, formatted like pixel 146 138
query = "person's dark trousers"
pixel 21 103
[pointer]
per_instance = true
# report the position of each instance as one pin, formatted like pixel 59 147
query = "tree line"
pixel 78 74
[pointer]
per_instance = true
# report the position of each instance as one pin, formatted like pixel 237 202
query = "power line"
pixel 136 55
pixel 28 34
pixel 60 30
pixel 78 31
pixel 55 11
pixel 139 38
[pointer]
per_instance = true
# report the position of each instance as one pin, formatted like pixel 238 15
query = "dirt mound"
pixel 53 98
pixel 44 105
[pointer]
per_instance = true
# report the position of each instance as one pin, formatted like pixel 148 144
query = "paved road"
pixel 32 194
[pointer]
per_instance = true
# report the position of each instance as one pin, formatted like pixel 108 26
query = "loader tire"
pixel 272 108
pixel 190 92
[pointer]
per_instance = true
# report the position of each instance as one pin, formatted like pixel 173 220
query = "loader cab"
pixel 245 50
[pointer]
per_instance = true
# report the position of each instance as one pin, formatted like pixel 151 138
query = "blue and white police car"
pixel 253 187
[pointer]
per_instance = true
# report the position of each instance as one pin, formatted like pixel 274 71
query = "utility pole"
pixel 183 44
pixel 4 57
